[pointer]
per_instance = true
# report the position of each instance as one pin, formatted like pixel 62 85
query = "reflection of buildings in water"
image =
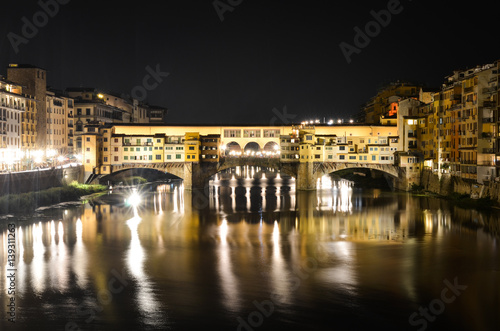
pixel 335 216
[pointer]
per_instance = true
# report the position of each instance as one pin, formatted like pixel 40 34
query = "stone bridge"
pixel 197 175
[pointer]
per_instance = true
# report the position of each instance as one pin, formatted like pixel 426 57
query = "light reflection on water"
pixel 200 259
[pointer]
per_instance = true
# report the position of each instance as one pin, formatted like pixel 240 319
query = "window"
pixel 126 149
pixel 116 158
pixel 158 157
pixel 87 139
pixel 105 159
pixel 191 148
pixel 251 133
pixel 178 156
pixel 341 148
pixel 271 133
pixel 341 157
pixel 169 157
pixel 317 156
pixel 232 133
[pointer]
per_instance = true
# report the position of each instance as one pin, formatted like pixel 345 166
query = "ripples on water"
pixel 252 253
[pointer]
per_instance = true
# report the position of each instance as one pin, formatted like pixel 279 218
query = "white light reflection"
pixel 149 307
pixel 21 268
pixel 279 273
pixel 58 276
pixel 342 198
pixel 79 259
pixel 343 274
pixel 227 278
pixel 38 265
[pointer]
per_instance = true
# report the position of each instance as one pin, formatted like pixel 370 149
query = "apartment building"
pixel 17 125
pixel 60 127
pixel 34 82
pixel 385 102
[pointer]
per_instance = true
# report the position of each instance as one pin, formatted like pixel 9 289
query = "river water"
pixel 251 253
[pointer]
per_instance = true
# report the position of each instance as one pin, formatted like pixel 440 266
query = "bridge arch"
pixel 271 146
pixel 395 176
pixel 252 147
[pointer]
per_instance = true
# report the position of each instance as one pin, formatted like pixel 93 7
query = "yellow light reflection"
pixel 38 265
pixel 279 273
pixel 79 259
pixel 229 282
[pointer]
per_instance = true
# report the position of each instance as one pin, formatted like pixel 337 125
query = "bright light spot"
pixel 134 199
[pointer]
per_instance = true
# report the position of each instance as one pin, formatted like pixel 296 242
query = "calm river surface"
pixel 251 254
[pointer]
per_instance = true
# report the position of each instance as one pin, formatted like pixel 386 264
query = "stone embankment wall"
pixel 29 181
pixel 448 184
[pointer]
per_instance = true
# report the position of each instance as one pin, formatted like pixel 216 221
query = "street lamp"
pixel 60 159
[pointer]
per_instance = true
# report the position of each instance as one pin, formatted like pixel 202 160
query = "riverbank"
pixel 26 203
pixel 464 201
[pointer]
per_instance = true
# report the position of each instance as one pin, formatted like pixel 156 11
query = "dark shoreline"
pixel 27 203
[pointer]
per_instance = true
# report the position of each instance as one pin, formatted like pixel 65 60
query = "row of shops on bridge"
pixel 108 147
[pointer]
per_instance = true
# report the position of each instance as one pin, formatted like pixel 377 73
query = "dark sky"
pixel 264 55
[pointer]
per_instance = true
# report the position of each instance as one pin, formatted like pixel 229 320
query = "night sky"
pixel 264 55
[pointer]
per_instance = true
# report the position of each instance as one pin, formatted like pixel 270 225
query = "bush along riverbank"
pixel 26 203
